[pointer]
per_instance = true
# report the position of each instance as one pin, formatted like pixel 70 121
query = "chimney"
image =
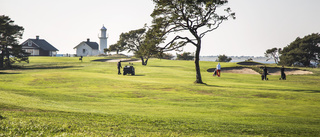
pixel 88 40
pixel 37 37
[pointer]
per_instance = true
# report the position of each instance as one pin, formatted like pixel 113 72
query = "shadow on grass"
pixel 47 67
pixel 102 60
pixel 312 91
pixel 134 75
pixel 292 90
pixel 166 66
pixel 208 85
pixel 8 73
pixel 301 90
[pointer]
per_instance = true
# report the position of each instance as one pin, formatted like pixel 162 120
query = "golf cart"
pixel 128 70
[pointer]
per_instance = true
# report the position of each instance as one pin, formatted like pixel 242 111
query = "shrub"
pixel 185 56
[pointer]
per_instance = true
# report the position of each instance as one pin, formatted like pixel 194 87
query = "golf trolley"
pixel 128 70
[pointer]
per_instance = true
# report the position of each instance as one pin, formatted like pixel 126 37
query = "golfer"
pixel 119 66
pixel 218 69
pixel 265 73
pixel 283 75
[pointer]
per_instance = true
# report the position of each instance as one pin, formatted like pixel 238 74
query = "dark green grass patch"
pixel 90 124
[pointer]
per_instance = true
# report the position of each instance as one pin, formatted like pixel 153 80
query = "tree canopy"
pixel 198 17
pixel 118 47
pixel 273 53
pixel 10 50
pixel 142 42
pixel 302 51
pixel 185 56
pixel 224 58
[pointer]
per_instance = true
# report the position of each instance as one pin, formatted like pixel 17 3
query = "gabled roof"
pixel 93 45
pixel 43 44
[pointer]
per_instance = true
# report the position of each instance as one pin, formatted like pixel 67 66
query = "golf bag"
pixel 283 77
pixel 214 72
pixel 263 77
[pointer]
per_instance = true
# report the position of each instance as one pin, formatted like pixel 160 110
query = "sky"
pixel 259 24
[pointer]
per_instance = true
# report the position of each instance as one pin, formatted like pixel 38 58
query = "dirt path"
pixel 117 60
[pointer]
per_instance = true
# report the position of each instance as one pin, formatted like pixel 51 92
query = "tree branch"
pixel 204 33
pixel 180 44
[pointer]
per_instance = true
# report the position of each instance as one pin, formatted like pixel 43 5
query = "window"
pixel 29 43
pixel 83 51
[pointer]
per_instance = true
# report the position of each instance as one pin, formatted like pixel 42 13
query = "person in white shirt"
pixel 218 69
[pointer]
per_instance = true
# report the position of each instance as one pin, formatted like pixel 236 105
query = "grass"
pixel 60 96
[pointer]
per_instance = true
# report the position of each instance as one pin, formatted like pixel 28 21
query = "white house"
pixel 39 47
pixel 87 48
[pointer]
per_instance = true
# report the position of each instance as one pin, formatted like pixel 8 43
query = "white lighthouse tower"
pixel 103 40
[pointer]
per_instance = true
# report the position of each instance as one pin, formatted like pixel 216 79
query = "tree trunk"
pixel 306 63
pixel 275 58
pixel 1 59
pixel 7 61
pixel 142 61
pixel 146 62
pixel 196 62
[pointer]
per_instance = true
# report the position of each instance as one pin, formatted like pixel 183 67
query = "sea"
pixel 261 59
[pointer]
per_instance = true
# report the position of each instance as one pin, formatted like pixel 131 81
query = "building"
pixel 103 40
pixel 87 48
pixel 39 47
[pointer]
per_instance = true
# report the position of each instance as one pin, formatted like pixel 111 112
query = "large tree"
pixel 273 53
pixel 133 41
pixel 302 50
pixel 150 45
pixel 118 47
pixel 142 42
pixel 198 17
pixel 10 50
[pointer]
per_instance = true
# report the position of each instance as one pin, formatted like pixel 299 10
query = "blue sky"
pixel 260 24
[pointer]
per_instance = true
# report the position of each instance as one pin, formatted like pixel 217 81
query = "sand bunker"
pixel 249 63
pixel 271 71
pixel 239 70
pixel 288 71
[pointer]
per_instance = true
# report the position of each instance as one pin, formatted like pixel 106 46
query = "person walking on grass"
pixel 218 70
pixel 265 73
pixel 119 66
pixel 283 75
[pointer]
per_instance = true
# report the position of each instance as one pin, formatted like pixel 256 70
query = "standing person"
pixel 80 58
pixel 283 75
pixel 119 66
pixel 218 70
pixel 265 73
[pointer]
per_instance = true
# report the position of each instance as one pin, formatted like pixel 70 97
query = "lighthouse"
pixel 103 40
